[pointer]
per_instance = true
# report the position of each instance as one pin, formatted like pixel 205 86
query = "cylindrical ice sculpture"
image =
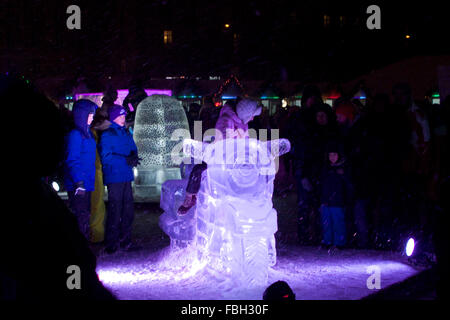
pixel 157 117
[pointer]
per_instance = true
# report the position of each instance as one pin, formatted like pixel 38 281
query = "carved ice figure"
pixel 180 229
pixel 157 118
pixel 234 222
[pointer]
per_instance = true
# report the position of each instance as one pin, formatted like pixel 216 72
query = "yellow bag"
pixel 98 209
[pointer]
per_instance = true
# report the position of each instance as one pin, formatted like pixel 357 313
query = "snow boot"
pixel 189 202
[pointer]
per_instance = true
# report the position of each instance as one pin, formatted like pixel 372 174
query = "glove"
pixel 133 160
pixel 80 190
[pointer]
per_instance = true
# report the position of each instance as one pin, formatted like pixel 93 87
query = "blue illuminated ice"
pixel 230 232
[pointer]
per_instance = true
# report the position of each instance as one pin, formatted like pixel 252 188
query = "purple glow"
pixel 341 275
pixel 96 97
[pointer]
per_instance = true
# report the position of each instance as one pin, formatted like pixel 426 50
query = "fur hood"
pixel 228 120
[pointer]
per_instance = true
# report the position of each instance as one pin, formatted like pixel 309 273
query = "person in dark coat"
pixel 353 134
pixel 45 233
pixel 335 195
pixel 79 163
pixel 309 149
pixel 301 120
pixel 208 114
pixel 119 154
pixel 136 94
pixel 98 209
pixel 192 116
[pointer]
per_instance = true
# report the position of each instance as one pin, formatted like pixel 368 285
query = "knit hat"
pixel 246 109
pixel 116 111
pixel 347 109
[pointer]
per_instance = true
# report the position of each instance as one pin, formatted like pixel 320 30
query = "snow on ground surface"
pixel 312 273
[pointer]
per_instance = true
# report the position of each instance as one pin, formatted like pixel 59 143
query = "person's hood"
pixel 246 109
pixel 81 110
pixel 227 111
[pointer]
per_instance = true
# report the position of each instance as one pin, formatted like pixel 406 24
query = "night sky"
pixel 266 40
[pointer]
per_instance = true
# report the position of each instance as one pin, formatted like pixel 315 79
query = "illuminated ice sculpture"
pixel 232 227
pixel 157 118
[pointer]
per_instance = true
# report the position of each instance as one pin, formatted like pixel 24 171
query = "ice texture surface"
pixel 157 118
pixel 230 232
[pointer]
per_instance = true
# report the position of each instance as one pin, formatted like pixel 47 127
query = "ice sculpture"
pixel 180 229
pixel 157 117
pixel 233 224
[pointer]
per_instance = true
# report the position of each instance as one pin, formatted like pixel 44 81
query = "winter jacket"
pixel 230 125
pixel 357 149
pixel 79 164
pixel 309 150
pixel 116 143
pixel 208 115
pixel 336 189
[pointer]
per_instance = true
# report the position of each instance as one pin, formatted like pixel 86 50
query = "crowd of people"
pixel 362 172
pixel 99 151
pixel 365 174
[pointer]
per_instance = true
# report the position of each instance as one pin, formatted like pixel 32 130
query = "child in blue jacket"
pixel 119 154
pixel 79 163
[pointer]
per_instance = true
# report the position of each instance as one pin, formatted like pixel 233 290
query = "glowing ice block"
pixel 157 117
pixel 234 220
pixel 180 229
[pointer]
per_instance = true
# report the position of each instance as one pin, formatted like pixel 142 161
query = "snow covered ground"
pixel 312 273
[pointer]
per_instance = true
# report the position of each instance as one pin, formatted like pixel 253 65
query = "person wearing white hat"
pixel 231 124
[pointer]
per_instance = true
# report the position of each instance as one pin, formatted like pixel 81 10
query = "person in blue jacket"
pixel 119 154
pixel 79 163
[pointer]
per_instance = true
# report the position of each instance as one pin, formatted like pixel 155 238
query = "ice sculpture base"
pixel 148 182
pixel 180 229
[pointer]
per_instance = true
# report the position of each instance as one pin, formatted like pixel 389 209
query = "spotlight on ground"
pixel 55 186
pixel 410 247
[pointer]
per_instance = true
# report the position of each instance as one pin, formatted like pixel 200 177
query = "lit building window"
pixel 326 20
pixel 342 20
pixel 167 36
